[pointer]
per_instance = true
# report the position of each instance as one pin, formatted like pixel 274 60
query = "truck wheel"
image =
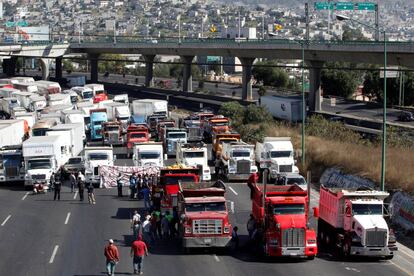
pixel 346 248
pixel 389 257
pixel 310 258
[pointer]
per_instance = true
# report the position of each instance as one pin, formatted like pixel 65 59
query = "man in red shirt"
pixel 112 257
pixel 138 250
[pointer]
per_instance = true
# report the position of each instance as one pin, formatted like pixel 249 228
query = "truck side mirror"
pixel 315 212
pixel 231 206
pixel 114 157
pixel 165 156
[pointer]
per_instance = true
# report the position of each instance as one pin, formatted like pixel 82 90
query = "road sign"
pixel 392 72
pixel 324 5
pixel 213 59
pixel 10 24
pixel 344 6
pixel 366 6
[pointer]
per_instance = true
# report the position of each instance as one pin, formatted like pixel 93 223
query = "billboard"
pixel 39 33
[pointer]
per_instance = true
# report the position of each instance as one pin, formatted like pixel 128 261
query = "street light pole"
pixel 303 105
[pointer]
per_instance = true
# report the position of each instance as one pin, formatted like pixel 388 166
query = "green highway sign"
pixel 324 5
pixel 344 6
pixel 366 6
pixel 10 24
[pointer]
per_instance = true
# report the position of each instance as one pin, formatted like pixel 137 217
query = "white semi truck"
pixel 73 132
pixel 276 154
pixel 148 154
pixel 93 158
pixel 353 220
pixel 118 112
pixel 238 160
pixel 194 154
pixel 147 107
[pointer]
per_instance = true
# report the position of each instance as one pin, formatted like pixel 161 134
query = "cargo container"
pixel 283 108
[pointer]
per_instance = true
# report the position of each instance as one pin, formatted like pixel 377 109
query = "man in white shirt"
pixel 146 230
pixel 135 224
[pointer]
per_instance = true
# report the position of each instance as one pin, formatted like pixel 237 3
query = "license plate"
pixel 207 241
pixel 293 254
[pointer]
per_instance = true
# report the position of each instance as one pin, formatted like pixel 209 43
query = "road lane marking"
pixel 233 190
pixel 216 258
pixel 4 222
pixel 24 197
pixel 52 258
pixel 76 193
pixel 401 268
pixel 67 218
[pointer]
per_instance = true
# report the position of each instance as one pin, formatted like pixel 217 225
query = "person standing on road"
pixel 91 195
pixel 251 226
pixel 58 184
pixel 138 250
pixel 146 230
pixel 72 179
pixel 119 184
pixel 81 185
pixel 133 185
pixel 147 198
pixel 165 225
pixel 235 237
pixel 112 257
pixel 136 224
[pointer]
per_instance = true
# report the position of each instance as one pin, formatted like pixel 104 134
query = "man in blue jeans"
pixel 138 250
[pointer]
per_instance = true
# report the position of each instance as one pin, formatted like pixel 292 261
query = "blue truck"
pixel 97 118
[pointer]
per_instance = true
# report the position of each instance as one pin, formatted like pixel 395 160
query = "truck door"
pixel 348 215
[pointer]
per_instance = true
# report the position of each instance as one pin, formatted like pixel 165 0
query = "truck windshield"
pixel 75 161
pixel 176 135
pixel 149 155
pixel 193 154
pixel 138 135
pixel 112 128
pixel 97 123
pixel 40 131
pixel 241 154
pixel 296 180
pixel 209 206
pixel 226 141
pixel 174 180
pixel 280 154
pixel 11 159
pixel 98 156
pixel 367 209
pixel 87 95
pixel 38 164
pixel 220 124
pixel 288 209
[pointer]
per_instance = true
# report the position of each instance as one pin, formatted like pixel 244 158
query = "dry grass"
pixel 354 158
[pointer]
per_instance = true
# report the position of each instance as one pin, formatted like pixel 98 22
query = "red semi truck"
pixel 136 134
pixel 204 217
pixel 281 214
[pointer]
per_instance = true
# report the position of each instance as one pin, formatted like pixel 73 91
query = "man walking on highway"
pixel 119 184
pixel 146 230
pixel 91 195
pixel 72 179
pixel 81 185
pixel 136 224
pixel 112 257
pixel 138 250
pixel 133 185
pixel 58 184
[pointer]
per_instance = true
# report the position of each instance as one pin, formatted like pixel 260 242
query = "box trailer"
pixel 283 108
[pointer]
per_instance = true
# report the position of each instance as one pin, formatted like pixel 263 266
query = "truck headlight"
pixel 311 241
pixel 188 230
pixel 27 177
pixel 226 230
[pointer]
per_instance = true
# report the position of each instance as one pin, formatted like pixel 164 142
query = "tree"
pixel 338 82
pixel 256 114
pixel 67 65
pixel 270 76
pixel 262 91
pixel 233 110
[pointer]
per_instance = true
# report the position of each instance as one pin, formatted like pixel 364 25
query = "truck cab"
pixel 204 220
pixel 162 127
pixel 170 177
pixel 292 178
pixel 93 158
pixel 99 93
pixel 148 154
pixel 281 214
pixel 173 136
pixel 85 93
pixel 276 154
pixel 238 160
pixel 194 154
pixel 112 133
pixel 97 118
pixel 136 134
pixel 216 125
pixel 11 164
pixel 220 139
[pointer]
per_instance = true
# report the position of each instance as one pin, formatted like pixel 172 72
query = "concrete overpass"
pixel 316 54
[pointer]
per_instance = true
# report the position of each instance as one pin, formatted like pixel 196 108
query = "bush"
pixel 234 111
pixel 256 114
pixel 252 133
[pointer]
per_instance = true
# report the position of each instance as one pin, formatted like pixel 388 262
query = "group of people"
pixel 140 186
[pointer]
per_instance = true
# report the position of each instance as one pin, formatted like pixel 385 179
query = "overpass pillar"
pixel 9 66
pixel 247 78
pixel 315 97
pixel 44 64
pixel 93 59
pixel 58 68
pixel 187 76
pixel 149 70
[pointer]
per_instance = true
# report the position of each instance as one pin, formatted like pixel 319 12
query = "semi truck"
pixel 136 134
pixel 281 216
pixel 23 98
pixel 215 125
pixel 75 132
pixel 283 108
pixel 112 133
pixel 147 107
pixel 7 105
pixel 237 159
pixel 37 102
pixel 194 154
pixel 220 139
pixel 59 99
pixel 93 158
pixel 276 154
pixel 99 93
pixel 11 164
pixel 74 117
pixel 204 216
pixel 118 112
pixel 85 93
pixel 173 136
pixel 43 155
pixel 353 220
pixel 46 88
pixel 97 118
pixel 149 154
pixel 13 132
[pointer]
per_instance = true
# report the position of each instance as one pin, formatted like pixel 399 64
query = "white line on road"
pixel 52 258
pixel 4 222
pixel 25 195
pixel 401 268
pixel 216 258
pixel 76 193
pixel 233 190
pixel 67 218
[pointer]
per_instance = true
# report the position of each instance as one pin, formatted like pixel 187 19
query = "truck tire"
pixel 310 258
pixel 346 247
pixel 389 257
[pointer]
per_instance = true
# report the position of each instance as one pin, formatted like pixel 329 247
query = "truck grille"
pixel 243 166
pixel 376 237
pixel 12 171
pixel 207 226
pixel 285 168
pixel 113 136
pixel 293 237
pixel 39 177
pixel 96 171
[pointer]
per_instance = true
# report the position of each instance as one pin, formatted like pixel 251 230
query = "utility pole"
pixel 377 32
pixel 263 28
pixel 307 21
pixel 202 26
pixel 239 25
pixel 114 32
pixel 179 28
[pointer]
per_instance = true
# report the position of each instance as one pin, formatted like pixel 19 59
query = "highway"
pixel 40 236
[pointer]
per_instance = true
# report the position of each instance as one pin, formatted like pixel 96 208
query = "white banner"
pixel 109 174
